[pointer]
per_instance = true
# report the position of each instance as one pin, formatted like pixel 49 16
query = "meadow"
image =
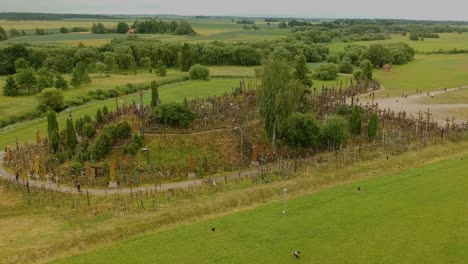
pixel 207 30
pixel 447 41
pixel 426 73
pixel 413 216
pixel 456 97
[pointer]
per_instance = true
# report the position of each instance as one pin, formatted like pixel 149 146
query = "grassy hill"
pixel 415 216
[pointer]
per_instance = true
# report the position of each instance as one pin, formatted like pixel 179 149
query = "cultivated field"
pixel 414 216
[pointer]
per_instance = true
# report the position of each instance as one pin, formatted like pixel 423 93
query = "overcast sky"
pixel 411 9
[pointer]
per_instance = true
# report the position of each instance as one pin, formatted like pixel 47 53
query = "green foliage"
pixel 61 83
pixel 98 28
pixel 184 28
pixel 345 65
pixel 80 75
pixel 45 80
pixel 372 126
pixel 334 132
pixel 367 69
pixel 10 88
pixel 3 34
pixel 71 140
pixel 53 130
pixel 278 96
pixel 108 136
pixel 79 123
pixel 88 130
pixel 161 68
pixel 355 121
pixel 154 94
pixel 122 27
pixel 54 139
pixel 21 64
pixel 358 74
pixel 185 58
pixel 198 72
pixel 133 147
pixel 87 119
pixel 301 70
pixel 26 80
pixel 174 114
pixel 50 98
pixel 301 131
pixel 324 72
pixel 344 110
pixel 99 117
pixel 105 110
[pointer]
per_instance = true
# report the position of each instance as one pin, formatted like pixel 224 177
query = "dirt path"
pixel 412 104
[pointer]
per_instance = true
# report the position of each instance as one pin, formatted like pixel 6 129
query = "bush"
pixel 102 145
pixel 334 132
pixel 346 66
pixel 133 147
pixel 88 130
pixel 324 72
pixel 301 131
pixel 372 126
pixel 355 121
pixel 198 72
pixel 50 98
pixel 174 114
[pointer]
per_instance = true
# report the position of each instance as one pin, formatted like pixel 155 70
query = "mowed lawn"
pixel 416 216
pixel 427 73
pixel 24 131
pixel 455 97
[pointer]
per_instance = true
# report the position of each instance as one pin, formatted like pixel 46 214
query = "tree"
pixel 61 83
pixel 71 139
pixel 355 121
pixel 302 131
pixel 145 62
pixel 154 94
pixel 79 123
pixel 367 68
pixel 345 65
pixel 301 70
pixel 53 130
pixel 161 68
pixel 109 60
pixel 98 28
pixel 198 72
pixel 88 130
pixel 357 74
pixel 105 110
pixel 80 75
pixel 282 24
pixel 45 80
pixel 334 132
pixel 64 30
pixel 50 98
pixel 15 33
pixel 10 88
pixel 3 34
pixel 372 125
pixel 378 55
pixel 184 28
pixel 278 96
pixel 99 117
pixel 325 72
pixel 40 31
pixel 21 64
pixel 122 27
pixel 185 58
pixel 26 80
pixel 174 114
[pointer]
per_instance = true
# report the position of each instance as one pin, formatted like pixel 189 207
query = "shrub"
pixel 355 121
pixel 334 132
pixel 301 130
pixel 346 66
pixel 133 147
pixel 372 126
pixel 102 145
pixel 88 130
pixel 174 114
pixel 50 98
pixel 198 72
pixel 328 71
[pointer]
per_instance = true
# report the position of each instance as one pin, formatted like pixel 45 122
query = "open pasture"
pixel 447 41
pixel 414 216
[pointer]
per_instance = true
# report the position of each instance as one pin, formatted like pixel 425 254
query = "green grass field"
pixel 456 97
pixel 207 30
pixel 427 73
pixel 24 131
pixel 447 41
pixel 415 216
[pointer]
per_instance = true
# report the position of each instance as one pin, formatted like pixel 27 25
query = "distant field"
pixel 415 216
pixel 447 41
pixel 426 72
pixel 207 29
pixel 168 93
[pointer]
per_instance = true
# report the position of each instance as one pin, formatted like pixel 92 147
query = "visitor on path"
pixel 78 185
pixel 296 253
pixel 17 176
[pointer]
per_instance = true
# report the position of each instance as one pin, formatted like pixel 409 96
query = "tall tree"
pixel 61 83
pixel 80 75
pixel 355 121
pixel 185 58
pixel 71 139
pixel 3 34
pixel 122 27
pixel 10 88
pixel 53 130
pixel 372 126
pixel 154 94
pixel 301 70
pixel 45 80
pixel 278 96
pixel 26 80
pixel 367 68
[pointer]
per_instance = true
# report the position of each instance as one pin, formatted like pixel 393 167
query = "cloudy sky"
pixel 412 9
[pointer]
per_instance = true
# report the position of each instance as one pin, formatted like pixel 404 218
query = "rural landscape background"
pixel 232 138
